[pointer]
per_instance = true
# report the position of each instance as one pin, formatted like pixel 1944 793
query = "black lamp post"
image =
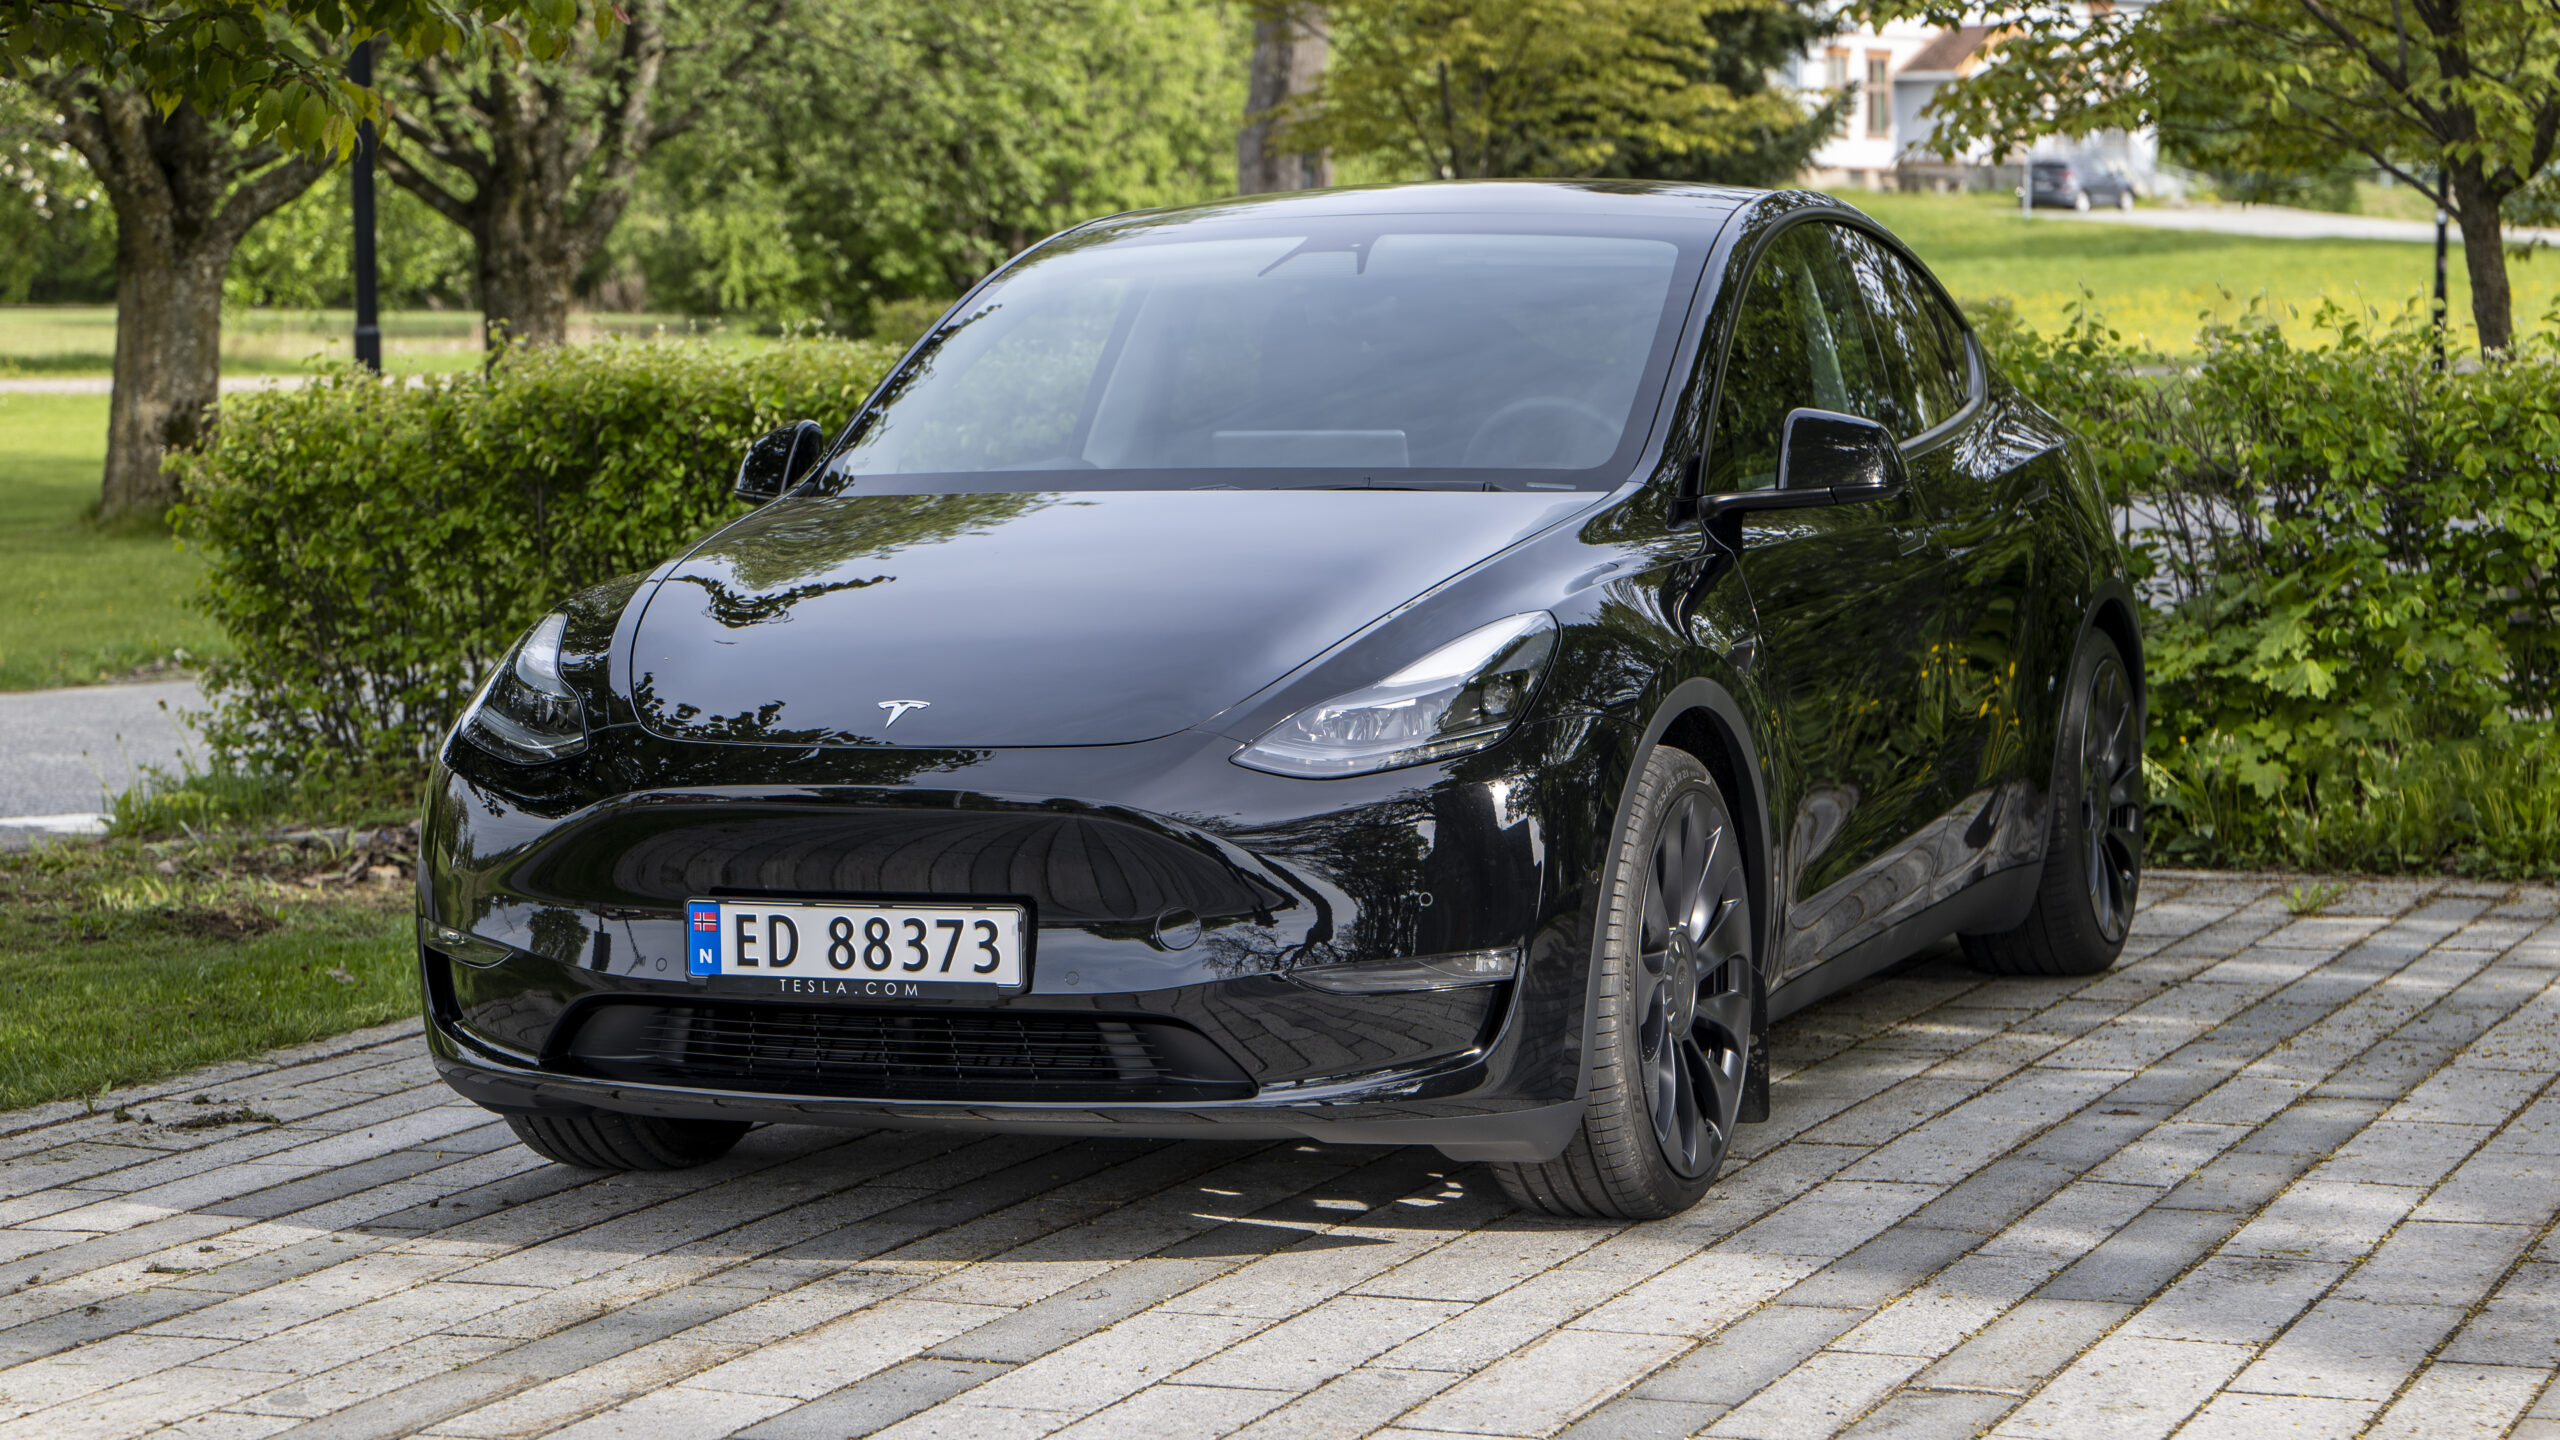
pixel 368 320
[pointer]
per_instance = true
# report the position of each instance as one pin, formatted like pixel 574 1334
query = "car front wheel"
pixel 1675 998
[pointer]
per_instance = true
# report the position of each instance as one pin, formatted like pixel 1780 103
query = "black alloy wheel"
pixel 1694 947
pixel 2093 838
pixel 1675 1000
pixel 2110 798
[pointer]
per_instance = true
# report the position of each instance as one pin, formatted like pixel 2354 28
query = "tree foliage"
pixel 276 66
pixel 902 148
pixel 2461 98
pixel 1466 89
pixel 1773 144
pixel 57 240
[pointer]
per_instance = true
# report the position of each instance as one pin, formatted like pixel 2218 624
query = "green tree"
pixel 273 67
pixel 1772 144
pixel 536 159
pixel 902 148
pixel 199 118
pixel 1476 88
pixel 53 217
pixel 2460 98
pixel 185 186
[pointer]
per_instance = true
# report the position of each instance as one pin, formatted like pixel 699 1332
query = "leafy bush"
pixel 375 547
pixel 2355 626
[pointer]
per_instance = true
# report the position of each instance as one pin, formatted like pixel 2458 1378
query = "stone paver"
pixel 2274 1175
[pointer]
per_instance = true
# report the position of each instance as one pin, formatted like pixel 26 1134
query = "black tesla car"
pixel 1439 664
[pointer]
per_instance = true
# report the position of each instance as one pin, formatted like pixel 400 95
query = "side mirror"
pixel 780 460
pixel 1824 458
pixel 1853 458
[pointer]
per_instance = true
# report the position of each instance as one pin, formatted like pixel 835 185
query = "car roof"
pixel 1656 198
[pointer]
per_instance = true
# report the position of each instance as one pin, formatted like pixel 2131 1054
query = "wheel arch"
pixel 1699 717
pixel 1702 718
pixel 2112 614
pixel 2110 611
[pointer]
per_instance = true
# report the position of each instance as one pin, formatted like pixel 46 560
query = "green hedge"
pixel 2349 555
pixel 375 547
pixel 2355 627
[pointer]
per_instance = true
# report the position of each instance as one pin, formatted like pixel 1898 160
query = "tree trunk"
pixel 168 370
pixel 526 259
pixel 184 193
pixel 1288 61
pixel 2484 256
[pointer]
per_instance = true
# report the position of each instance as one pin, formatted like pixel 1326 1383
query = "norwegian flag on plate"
pixel 702 950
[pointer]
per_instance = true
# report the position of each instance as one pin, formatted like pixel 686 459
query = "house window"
pixel 1879 95
pixel 1835 78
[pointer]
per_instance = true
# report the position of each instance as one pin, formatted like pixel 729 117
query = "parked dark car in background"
pixel 1439 665
pixel 2079 184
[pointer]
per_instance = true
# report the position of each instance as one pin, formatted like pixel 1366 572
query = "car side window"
pixel 1800 340
pixel 1955 351
pixel 1932 371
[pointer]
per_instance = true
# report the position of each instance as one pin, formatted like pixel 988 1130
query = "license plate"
pixel 859 952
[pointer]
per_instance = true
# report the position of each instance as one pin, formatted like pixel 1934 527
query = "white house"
pixel 1893 72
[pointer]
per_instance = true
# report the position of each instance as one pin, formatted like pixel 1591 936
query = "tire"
pixel 2124 200
pixel 1676 1001
pixel 2093 832
pixel 2080 201
pixel 602 1140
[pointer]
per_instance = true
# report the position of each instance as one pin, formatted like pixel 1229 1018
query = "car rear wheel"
pixel 1676 998
pixel 2124 199
pixel 2093 834
pixel 601 1140
pixel 2080 201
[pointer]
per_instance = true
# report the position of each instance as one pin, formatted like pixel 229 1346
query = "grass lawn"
pixel 2157 283
pixel 121 961
pixel 76 604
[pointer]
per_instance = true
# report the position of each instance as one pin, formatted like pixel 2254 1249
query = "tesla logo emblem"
pixel 897 708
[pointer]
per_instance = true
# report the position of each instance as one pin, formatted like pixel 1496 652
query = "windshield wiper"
pixel 1367 483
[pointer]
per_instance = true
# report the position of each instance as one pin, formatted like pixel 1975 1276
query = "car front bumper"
pixel 569 904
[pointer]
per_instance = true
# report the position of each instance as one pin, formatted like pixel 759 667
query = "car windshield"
pixel 1387 351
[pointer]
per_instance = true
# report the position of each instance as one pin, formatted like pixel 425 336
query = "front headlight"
pixel 527 713
pixel 1458 698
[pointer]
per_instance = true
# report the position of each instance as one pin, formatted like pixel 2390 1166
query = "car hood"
pixel 1086 618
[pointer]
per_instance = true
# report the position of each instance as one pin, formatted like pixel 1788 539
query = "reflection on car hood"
pixel 1088 618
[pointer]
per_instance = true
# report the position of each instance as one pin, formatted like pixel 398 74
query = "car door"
pixel 1848 600
pixel 1977 495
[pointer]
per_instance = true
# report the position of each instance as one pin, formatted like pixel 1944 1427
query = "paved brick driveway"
pixel 2278 1177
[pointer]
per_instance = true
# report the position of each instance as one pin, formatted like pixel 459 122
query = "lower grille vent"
pixel 906 1055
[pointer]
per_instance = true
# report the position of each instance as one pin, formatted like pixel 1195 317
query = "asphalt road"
pixel 2278 222
pixel 67 753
